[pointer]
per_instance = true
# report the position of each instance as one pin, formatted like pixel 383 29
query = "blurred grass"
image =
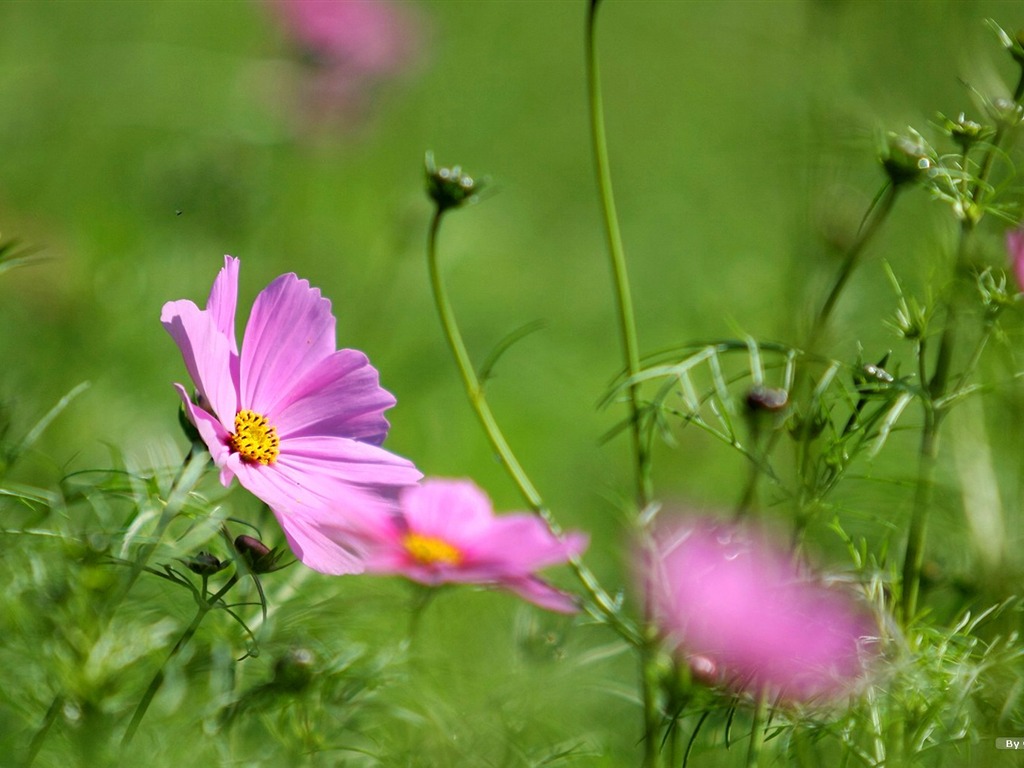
pixel 141 141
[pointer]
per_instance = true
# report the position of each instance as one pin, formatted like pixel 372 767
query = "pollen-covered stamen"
pixel 430 550
pixel 254 438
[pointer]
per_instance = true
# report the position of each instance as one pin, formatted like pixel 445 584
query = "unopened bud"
pixel 966 132
pixel 868 375
pixel 294 670
pixel 191 433
pixel 258 556
pixel 704 670
pixel 768 399
pixel 204 564
pixel 906 159
pixel 1006 112
pixel 450 187
pixel 1017 49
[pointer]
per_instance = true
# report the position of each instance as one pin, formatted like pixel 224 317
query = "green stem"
pixel 606 607
pixel 620 275
pixel 993 148
pixel 757 731
pixel 936 388
pixel 931 390
pixel 878 211
pixel 184 481
pixel 913 559
pixel 644 490
pixel 205 606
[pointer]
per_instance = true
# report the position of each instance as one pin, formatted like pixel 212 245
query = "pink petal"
pixel 290 330
pixel 456 511
pixel 340 509
pixel 339 396
pixel 210 430
pixel 315 549
pixel 223 300
pixel 543 594
pixel 207 356
pixel 1015 245
pixel 338 459
pixel 523 544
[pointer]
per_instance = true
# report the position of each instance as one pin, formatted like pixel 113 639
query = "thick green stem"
pixel 757 731
pixel 604 604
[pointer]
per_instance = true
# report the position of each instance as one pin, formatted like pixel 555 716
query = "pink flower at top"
pixel 446 532
pixel 742 612
pixel 348 45
pixel 1015 245
pixel 296 420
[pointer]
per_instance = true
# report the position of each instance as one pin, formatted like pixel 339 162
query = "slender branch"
pixel 205 606
pixel 606 607
pixel 878 211
pixel 630 348
pixel 620 275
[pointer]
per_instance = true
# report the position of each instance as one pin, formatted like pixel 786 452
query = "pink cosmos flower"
pixel 297 421
pixel 743 613
pixel 446 532
pixel 347 45
pixel 1015 245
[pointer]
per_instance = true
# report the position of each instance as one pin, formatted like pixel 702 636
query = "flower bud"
pixel 906 159
pixel 766 399
pixel 294 670
pixel 1016 48
pixel 258 556
pixel 204 564
pixel 1006 112
pixel 872 376
pixel 966 132
pixel 191 433
pixel 450 187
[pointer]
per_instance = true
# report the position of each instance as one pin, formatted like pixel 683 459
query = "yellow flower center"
pixel 254 438
pixel 430 550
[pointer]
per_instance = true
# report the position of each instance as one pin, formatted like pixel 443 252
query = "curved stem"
pixel 606 608
pixel 469 378
pixel 620 275
pixel 205 606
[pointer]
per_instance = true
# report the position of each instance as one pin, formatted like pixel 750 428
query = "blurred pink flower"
pixel 446 532
pixel 347 45
pixel 1015 245
pixel 297 421
pixel 742 613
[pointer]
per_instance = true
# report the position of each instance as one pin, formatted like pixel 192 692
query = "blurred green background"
pixel 141 141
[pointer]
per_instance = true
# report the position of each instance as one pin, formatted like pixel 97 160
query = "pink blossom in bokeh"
pixel 298 421
pixel 347 47
pixel 742 613
pixel 1015 245
pixel 446 532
